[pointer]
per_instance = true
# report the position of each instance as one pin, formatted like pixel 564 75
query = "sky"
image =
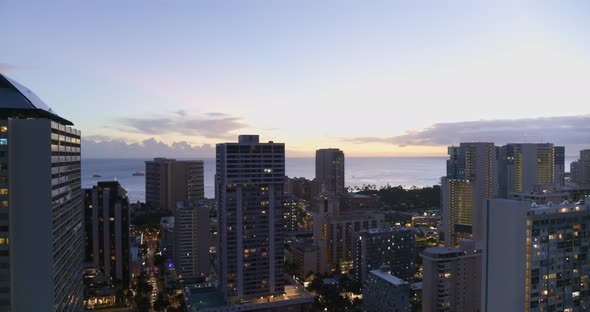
pixel 373 78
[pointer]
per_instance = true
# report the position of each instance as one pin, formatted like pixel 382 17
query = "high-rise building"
pixel 41 230
pixel 536 257
pixel 580 169
pixel 329 169
pixel 472 177
pixel 168 181
pixel 383 291
pixel 524 167
pixel 452 278
pixel 106 220
pixel 191 240
pixel 391 247
pixel 334 228
pixel 250 180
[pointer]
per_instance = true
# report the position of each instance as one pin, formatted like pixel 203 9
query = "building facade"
pixel 168 181
pixel 191 240
pixel 472 177
pixel 394 248
pixel 249 187
pixel 334 231
pixel 383 291
pixel 41 224
pixel 524 167
pixel 106 220
pixel 329 169
pixel 452 278
pixel 536 257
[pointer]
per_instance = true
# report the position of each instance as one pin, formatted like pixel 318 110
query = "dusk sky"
pixel 374 78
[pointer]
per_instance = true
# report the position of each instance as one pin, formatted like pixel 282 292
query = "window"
pixel 3 141
pixel 3 240
pixel 3 129
pixel 3 191
pixel 4 203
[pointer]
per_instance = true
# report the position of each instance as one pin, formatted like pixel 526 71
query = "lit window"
pixel 3 191
pixel 3 129
pixel 3 141
pixel 4 240
pixel 5 203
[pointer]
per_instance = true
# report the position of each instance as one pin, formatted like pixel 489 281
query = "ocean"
pixel 380 171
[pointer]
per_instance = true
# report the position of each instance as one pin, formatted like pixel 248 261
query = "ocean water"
pixel 380 171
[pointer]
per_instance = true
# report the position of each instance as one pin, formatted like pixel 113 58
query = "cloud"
pixel 566 130
pixel 93 148
pixel 4 67
pixel 213 126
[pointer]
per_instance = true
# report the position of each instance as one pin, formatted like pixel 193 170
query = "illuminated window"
pixel 4 203
pixel 3 141
pixel 3 129
pixel 3 191
pixel 4 240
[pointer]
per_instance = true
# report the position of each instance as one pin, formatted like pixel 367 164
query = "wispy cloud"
pixel 94 147
pixel 212 125
pixel 559 130
pixel 4 67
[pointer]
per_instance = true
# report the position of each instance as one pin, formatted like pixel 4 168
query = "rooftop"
pixel 18 100
pixel 389 278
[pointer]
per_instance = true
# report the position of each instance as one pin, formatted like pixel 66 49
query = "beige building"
pixel 334 228
pixel 168 181
pixel 452 278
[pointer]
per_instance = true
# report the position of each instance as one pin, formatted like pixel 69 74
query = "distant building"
pixel 106 215
pixel 385 292
pixel 291 211
pixel 304 257
pixel 580 169
pixel 191 240
pixel 302 188
pixel 472 177
pixel 536 257
pixel 452 278
pixel 41 223
pixel 334 229
pixel 394 248
pixel 431 221
pixel 329 169
pixel 526 166
pixel 167 239
pixel 168 181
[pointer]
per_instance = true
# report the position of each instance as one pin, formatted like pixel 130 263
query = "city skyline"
pixel 382 79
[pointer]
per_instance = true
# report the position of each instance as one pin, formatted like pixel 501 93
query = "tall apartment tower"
pixel 329 169
pixel 472 177
pixel 41 231
pixel 249 187
pixel 536 257
pixel 452 278
pixel 106 228
pixel 191 240
pixel 168 181
pixel 527 166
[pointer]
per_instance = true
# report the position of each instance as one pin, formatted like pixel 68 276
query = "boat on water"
pixel 138 174
pixel 96 176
